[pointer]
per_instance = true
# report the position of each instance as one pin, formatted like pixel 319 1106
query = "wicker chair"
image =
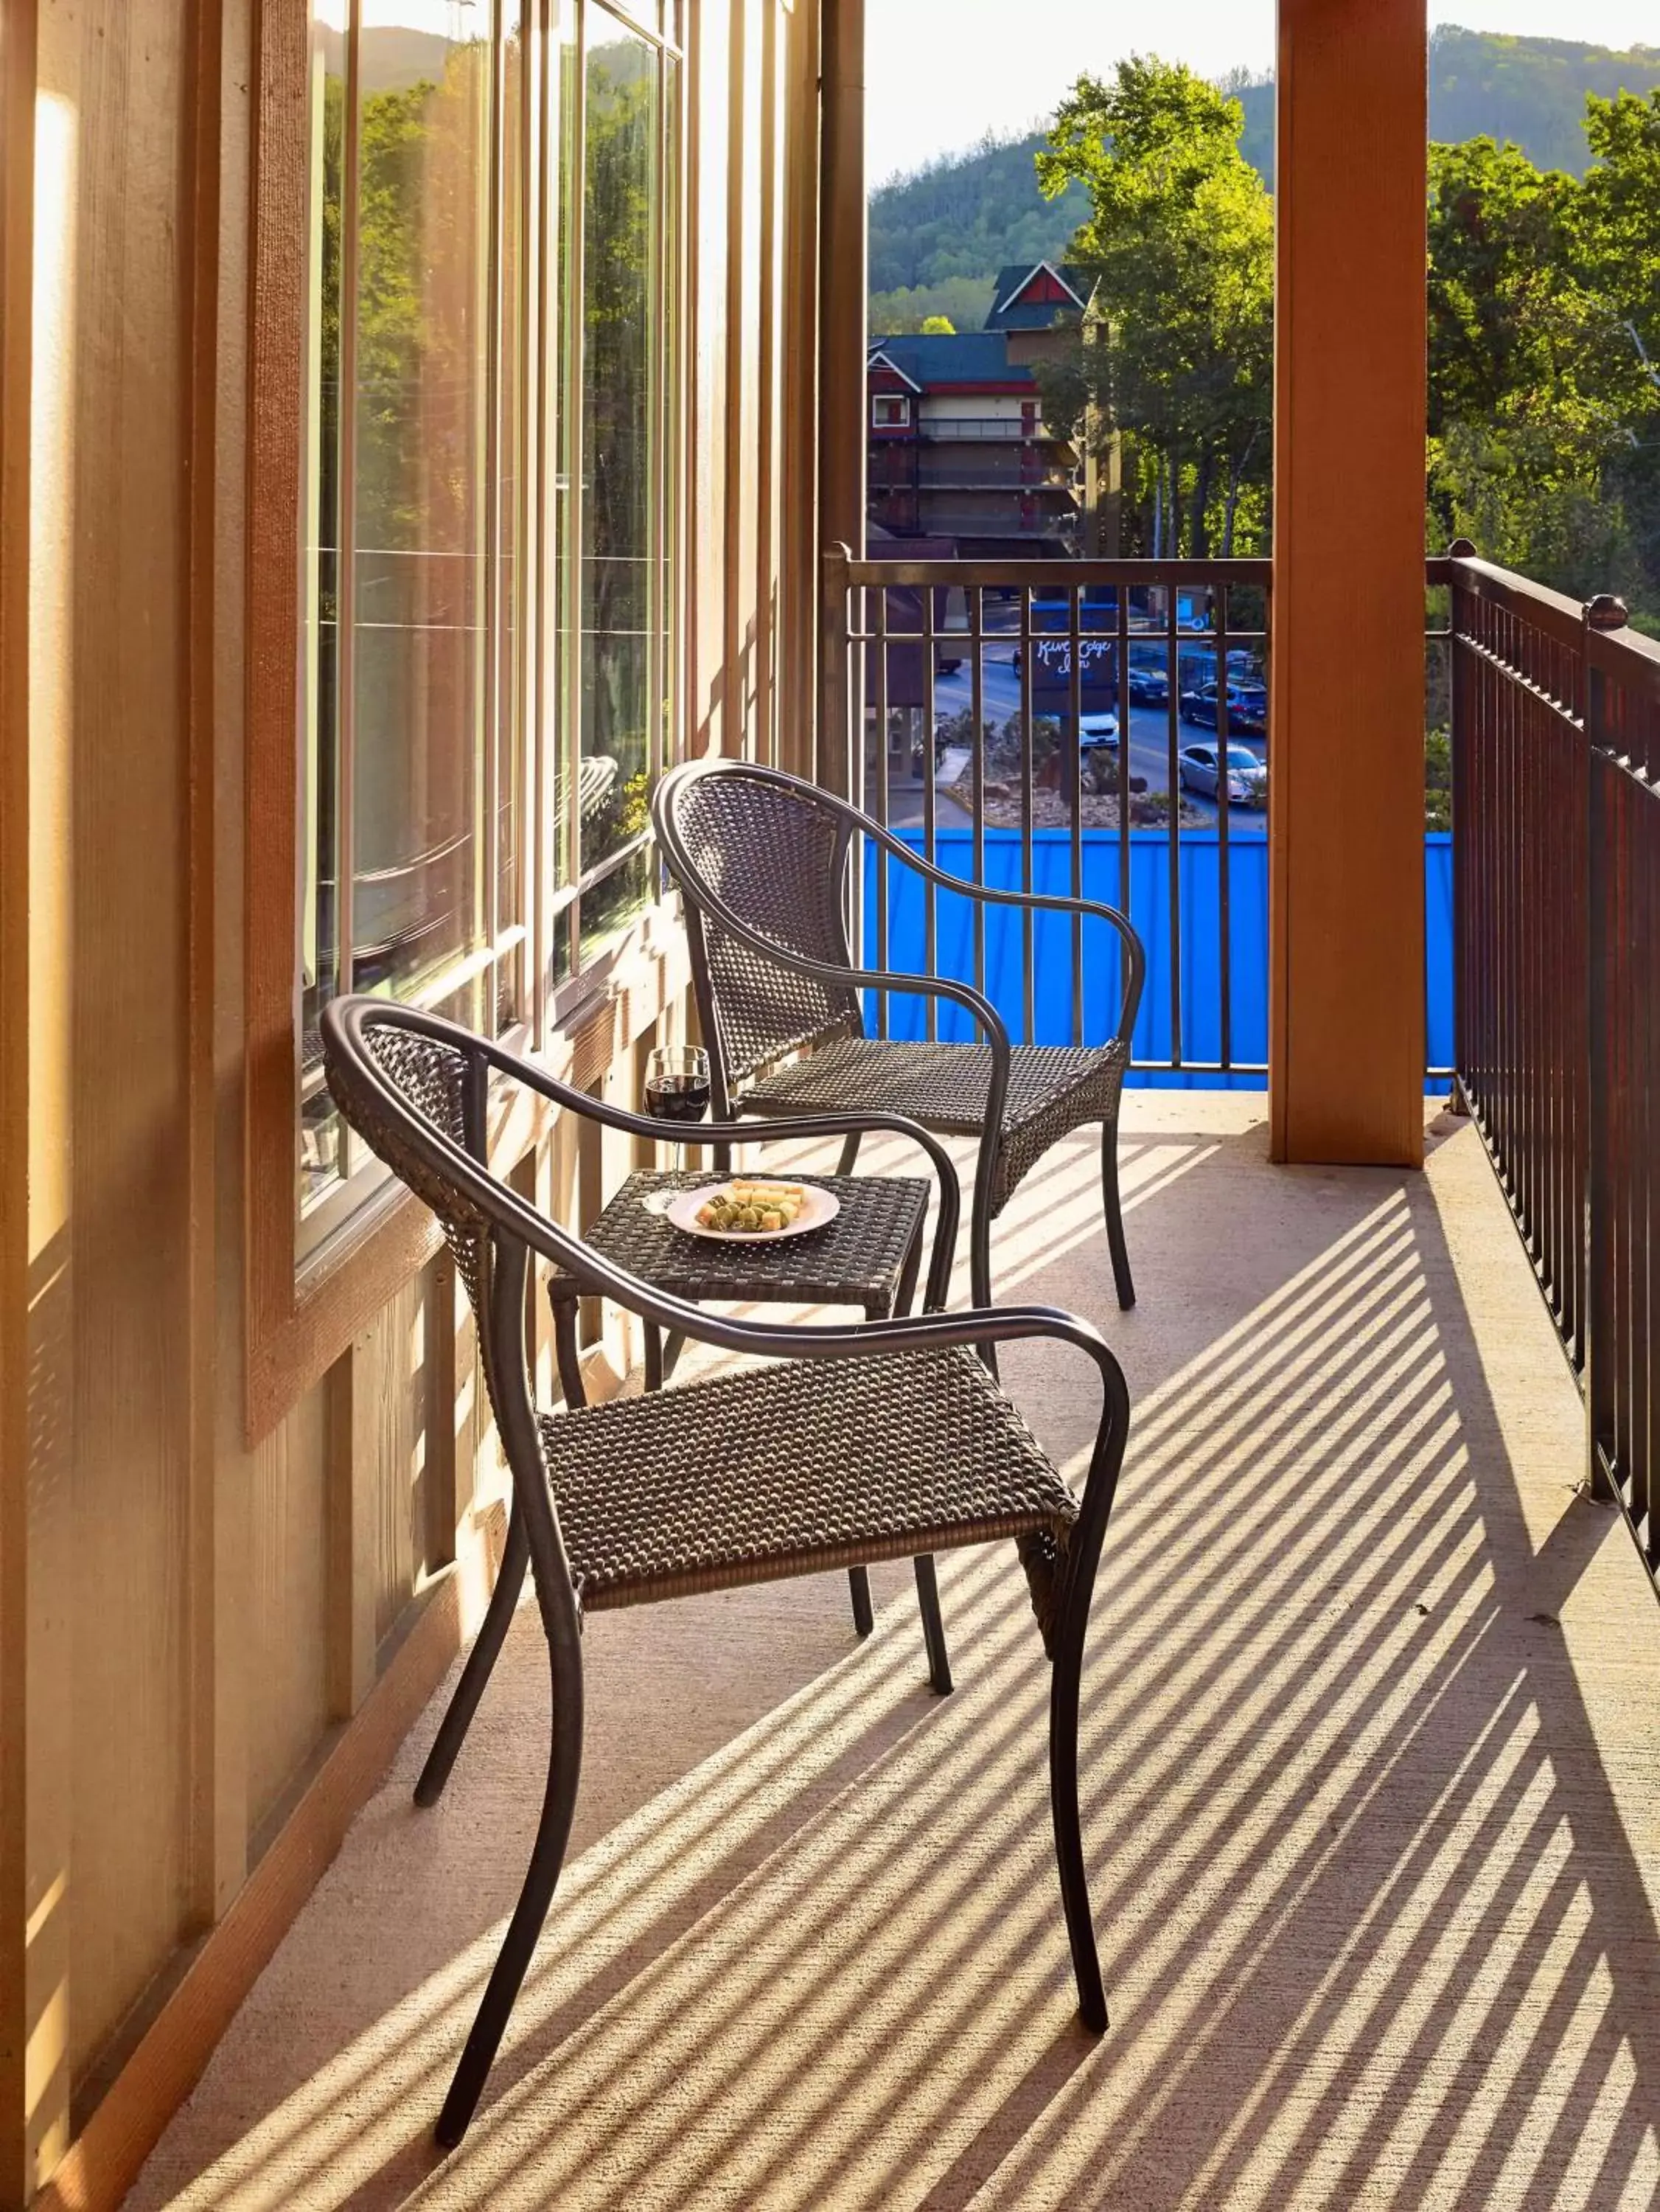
pixel 869 1442
pixel 762 861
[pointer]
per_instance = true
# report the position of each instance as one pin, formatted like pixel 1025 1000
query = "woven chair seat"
pixel 1053 1090
pixel 788 1469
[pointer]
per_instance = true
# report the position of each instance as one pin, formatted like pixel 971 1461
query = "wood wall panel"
pixel 287 1704
pixel 19 1394
pixel 392 1365
pixel 120 72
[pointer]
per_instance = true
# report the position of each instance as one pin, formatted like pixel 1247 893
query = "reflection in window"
pixel 419 482
pixel 412 696
pixel 619 452
pixel 489 559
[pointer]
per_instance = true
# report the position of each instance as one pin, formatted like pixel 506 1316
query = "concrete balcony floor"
pixel 1370 1791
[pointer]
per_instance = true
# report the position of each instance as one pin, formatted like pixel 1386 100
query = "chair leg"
pixel 1123 1280
pixel 933 1628
pixel 850 1154
pixel 1065 1678
pixel 481 1663
pixel 547 1857
pixel 859 1582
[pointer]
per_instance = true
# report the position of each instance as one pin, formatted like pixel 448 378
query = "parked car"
pixel 1148 687
pixel 1247 778
pixel 1098 730
pixel 1247 708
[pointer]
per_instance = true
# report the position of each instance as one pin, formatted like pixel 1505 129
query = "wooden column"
pixel 24 1265
pixel 842 270
pixel 1347 993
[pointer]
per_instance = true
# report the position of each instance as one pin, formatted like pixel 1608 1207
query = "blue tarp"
pixel 1195 958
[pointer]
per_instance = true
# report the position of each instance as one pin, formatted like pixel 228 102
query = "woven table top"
pixel 857 1260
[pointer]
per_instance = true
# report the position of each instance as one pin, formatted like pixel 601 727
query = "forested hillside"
pixel 938 237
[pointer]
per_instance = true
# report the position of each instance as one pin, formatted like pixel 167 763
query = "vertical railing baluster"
pixel 1174 715
pixel 880 808
pixel 1028 677
pixel 930 937
pixel 1224 926
pixel 976 680
pixel 1121 705
pixel 1072 772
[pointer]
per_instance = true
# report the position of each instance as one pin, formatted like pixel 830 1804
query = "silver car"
pixel 1247 778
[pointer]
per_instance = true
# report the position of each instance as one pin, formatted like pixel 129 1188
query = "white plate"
pixel 819 1207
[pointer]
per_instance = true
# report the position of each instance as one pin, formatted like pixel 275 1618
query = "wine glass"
pixel 677 1087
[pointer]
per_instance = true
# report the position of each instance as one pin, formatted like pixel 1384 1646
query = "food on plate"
pixel 752 1209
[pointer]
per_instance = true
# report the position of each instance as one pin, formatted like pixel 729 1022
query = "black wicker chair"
pixel 762 861
pixel 869 1442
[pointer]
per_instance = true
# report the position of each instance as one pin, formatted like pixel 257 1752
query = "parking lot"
pixel 1150 739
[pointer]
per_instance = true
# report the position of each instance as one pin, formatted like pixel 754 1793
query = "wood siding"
pixel 207 1647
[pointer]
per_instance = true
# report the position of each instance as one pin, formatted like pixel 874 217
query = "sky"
pixel 940 74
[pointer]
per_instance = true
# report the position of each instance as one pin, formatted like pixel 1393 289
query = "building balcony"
pixel 985 430
pixel 1370 1809
pixel 994 472
pixel 1370 1813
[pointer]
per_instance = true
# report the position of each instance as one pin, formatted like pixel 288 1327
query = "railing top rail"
pixel 1552 612
pixel 1057 576
pixel 1631 660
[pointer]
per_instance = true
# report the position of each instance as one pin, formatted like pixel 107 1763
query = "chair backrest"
pixel 767 847
pixel 427 1072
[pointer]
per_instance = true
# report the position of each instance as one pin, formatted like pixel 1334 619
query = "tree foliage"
pixel 965 216
pixel 1544 307
pixel 1175 355
pixel 964 301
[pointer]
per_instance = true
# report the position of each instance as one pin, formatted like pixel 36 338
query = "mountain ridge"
pixel 938 235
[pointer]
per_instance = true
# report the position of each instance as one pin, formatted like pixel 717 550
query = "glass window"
pixel 620 225
pixel 490 561
pixel 412 695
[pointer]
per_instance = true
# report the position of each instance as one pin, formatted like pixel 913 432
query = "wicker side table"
pixel 869 1257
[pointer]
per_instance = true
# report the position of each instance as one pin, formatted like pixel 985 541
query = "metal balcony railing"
pixel 1555 711
pixel 983 716
pixel 985 428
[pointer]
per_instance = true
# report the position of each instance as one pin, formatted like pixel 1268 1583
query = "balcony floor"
pixel 1370 1782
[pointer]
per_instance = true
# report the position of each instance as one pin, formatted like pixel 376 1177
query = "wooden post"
pixel 1346 1046
pixel 31 1932
pixel 842 271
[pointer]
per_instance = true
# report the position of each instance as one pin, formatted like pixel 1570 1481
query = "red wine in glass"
pixel 677 1089
pixel 677 1097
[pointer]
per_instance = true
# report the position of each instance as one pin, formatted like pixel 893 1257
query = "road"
pixel 1149 743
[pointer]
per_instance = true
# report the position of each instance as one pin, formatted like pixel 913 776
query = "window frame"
pixel 881 422
pixel 299 1313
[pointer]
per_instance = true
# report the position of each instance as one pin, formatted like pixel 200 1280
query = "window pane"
pixel 420 474
pixel 321 1154
pixel 622 511
pixel 509 505
pixel 669 682
pixel 565 443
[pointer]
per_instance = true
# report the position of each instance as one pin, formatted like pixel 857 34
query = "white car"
pixel 1098 730
pixel 1247 778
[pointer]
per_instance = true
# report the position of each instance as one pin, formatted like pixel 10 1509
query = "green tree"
pixel 938 326
pixel 1618 252
pixel 1539 400
pixel 1175 355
